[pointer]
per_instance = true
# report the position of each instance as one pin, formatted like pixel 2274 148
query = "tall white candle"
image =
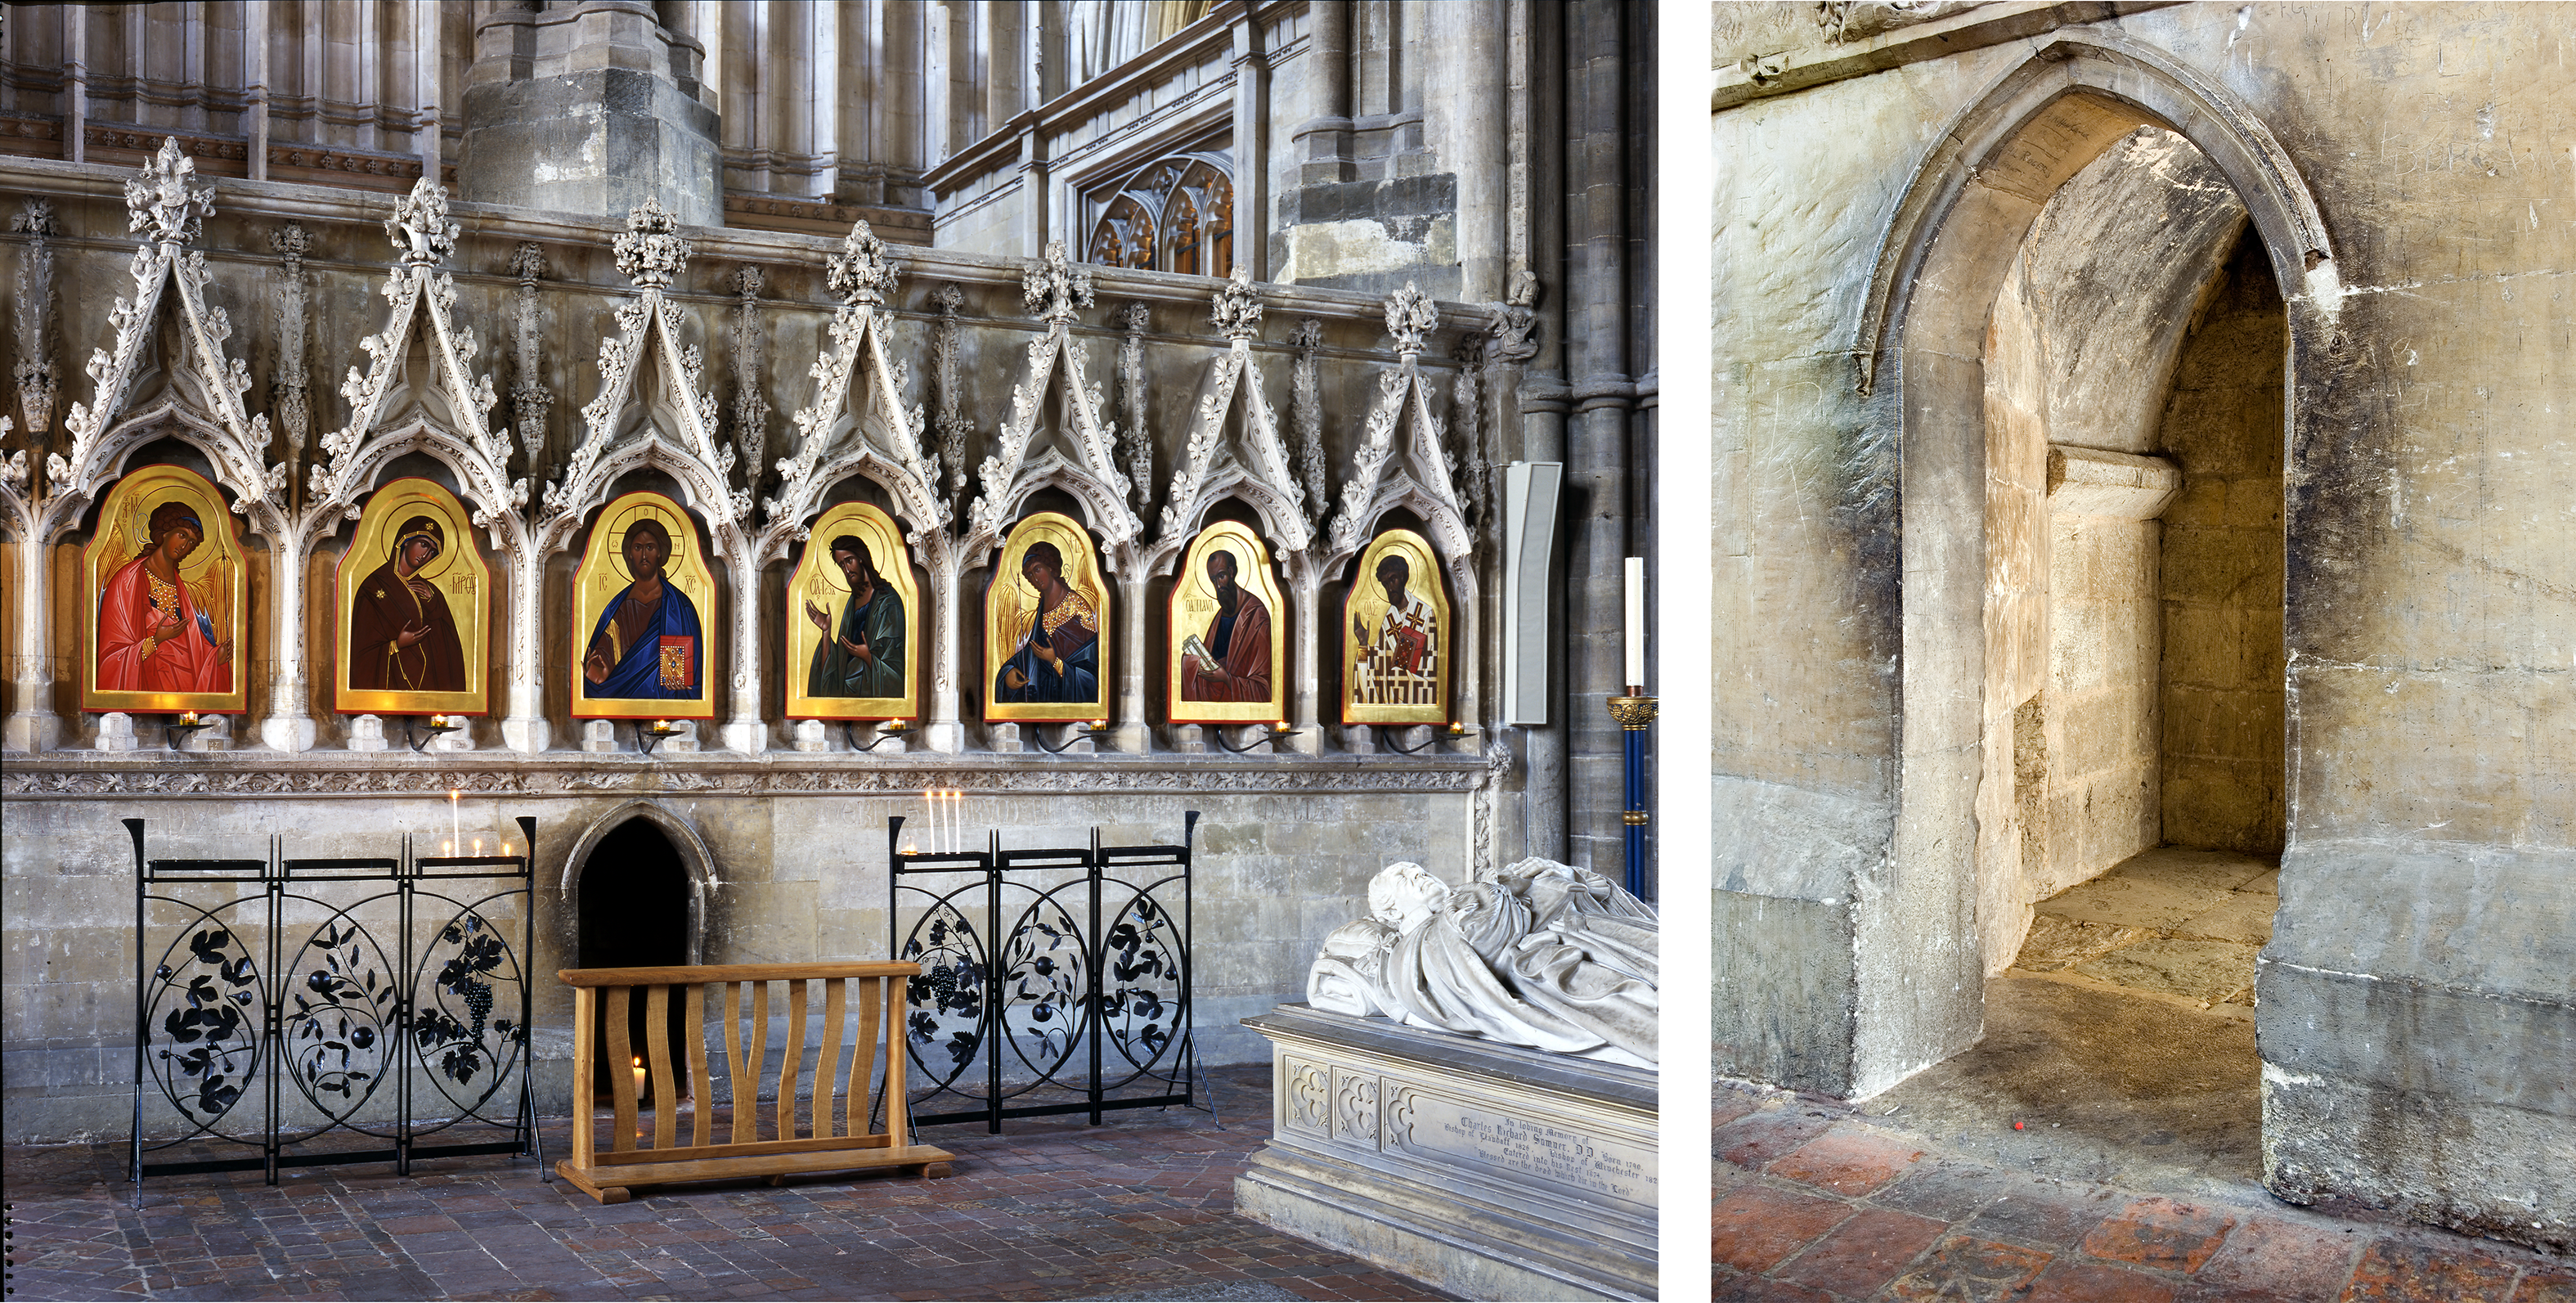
pixel 455 822
pixel 1636 640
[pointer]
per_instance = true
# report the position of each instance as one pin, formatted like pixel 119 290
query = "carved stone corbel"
pixel 1136 452
pixel 290 388
pixel 529 398
pixel 750 408
pixel 38 387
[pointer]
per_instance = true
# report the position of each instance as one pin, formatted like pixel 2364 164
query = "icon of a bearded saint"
pixel 1232 663
pixel 1059 654
pixel 1399 663
pixel 863 655
pixel 153 633
pixel 646 644
pixel 402 638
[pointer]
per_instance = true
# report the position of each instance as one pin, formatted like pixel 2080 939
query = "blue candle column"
pixel 1635 714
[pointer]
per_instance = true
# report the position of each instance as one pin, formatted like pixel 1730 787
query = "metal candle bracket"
pixel 1272 736
pixel 1091 729
pixel 886 732
pixel 179 728
pixel 1636 714
pixel 434 731
pixel 660 731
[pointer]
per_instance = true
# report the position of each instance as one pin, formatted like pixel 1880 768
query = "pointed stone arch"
pixel 1919 487
pixel 696 857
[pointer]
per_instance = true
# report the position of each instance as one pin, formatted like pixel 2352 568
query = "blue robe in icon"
pixel 664 657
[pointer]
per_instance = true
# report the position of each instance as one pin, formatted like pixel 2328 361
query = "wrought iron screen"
pixel 284 1004
pixel 1087 1006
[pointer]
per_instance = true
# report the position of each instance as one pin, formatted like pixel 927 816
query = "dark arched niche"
pixel 635 888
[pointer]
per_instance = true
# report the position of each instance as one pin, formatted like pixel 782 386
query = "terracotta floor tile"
pixel 2546 1287
pixel 2050 1217
pixel 1848 1163
pixel 2285 1259
pixel 2092 1282
pixel 2402 1271
pixel 1965 1270
pixel 1863 1253
pixel 1755 1227
pixel 1755 1139
pixel 1735 1287
pixel 2162 1233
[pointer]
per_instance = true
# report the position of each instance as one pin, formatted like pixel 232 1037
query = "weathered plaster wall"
pixel 2430 595
pixel 1283 860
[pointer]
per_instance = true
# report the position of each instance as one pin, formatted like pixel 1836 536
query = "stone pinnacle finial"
pixel 1237 310
pixel 420 228
pixel 651 253
pixel 861 273
pixel 1055 285
pixel 163 200
pixel 1410 316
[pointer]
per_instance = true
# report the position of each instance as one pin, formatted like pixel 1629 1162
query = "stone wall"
pixel 1285 852
pixel 1877 192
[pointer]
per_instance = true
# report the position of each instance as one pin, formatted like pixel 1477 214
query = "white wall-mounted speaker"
pixel 1529 543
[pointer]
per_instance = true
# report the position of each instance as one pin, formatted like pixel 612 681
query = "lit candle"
pixel 1279 726
pixel 639 1078
pixel 1636 624
pixel 1457 729
pixel 478 846
pixel 438 721
pixel 455 822
pixel 189 718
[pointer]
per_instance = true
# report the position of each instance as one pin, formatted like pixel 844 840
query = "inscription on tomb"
pixel 1504 1144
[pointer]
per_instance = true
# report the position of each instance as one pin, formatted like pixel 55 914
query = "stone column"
pixel 1536 108
pixel 33 726
pixel 1596 461
pixel 1134 735
pixel 605 114
pixel 1252 145
pixel 289 724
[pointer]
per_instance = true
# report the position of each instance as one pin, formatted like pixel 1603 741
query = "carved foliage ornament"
pixel 651 253
pixel 163 201
pixel 861 273
pixel 1410 316
pixel 420 228
pixel 1237 310
pixel 1053 286
pixel 34 372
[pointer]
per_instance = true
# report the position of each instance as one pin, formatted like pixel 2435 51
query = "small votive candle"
pixel 1279 726
pixel 1457 729
pixel 189 718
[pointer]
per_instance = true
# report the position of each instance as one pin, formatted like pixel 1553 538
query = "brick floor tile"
pixel 1965 1270
pixel 2162 1233
pixel 2393 1270
pixel 2051 1218
pixel 2546 1287
pixel 2092 1282
pixel 1863 1253
pixel 2284 1259
pixel 1848 1163
pixel 1753 1140
pixel 1945 1189
pixel 1755 1227
pixel 1735 1287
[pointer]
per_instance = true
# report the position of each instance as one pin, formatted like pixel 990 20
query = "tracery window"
pixel 1175 214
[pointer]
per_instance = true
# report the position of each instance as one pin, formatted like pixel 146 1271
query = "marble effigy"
pixel 1468 1097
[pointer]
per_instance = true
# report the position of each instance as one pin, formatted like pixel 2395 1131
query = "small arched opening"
pixel 636 898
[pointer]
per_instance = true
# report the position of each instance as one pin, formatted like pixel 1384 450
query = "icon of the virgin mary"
pixel 402 638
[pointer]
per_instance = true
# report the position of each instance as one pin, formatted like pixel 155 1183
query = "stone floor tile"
pixel 1863 1253
pixel 2547 1287
pixel 1847 1163
pixel 1736 1287
pixel 2394 1270
pixel 1755 1227
pixel 1962 1269
pixel 2162 1233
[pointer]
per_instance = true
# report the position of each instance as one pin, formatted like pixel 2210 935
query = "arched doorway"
pixel 636 903
pixel 1975 674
